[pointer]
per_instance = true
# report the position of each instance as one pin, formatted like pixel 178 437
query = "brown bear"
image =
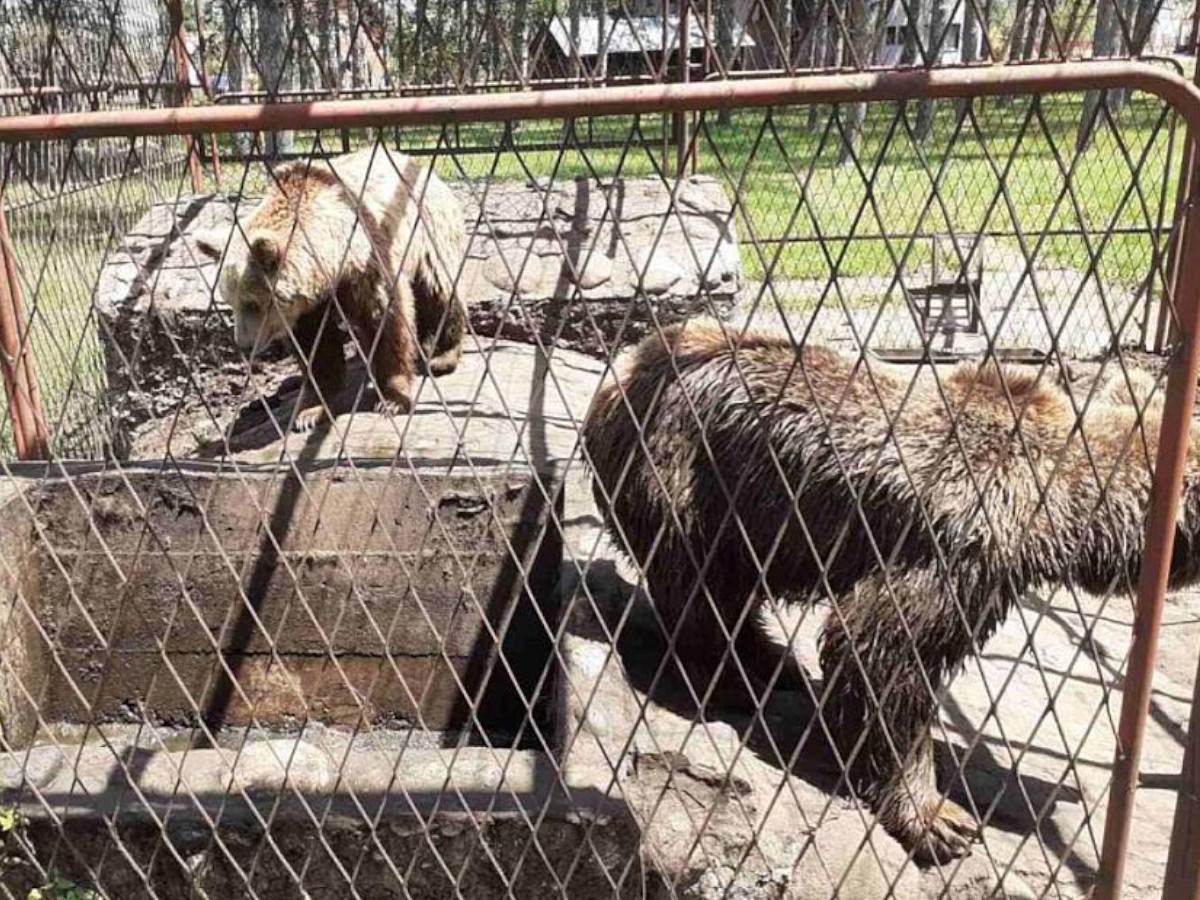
pixel 922 509
pixel 373 231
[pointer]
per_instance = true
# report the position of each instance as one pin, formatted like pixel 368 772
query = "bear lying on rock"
pixel 923 510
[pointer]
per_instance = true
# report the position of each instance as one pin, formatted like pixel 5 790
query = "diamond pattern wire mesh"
pixel 413 654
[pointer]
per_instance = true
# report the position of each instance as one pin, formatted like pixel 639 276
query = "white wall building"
pixel 895 32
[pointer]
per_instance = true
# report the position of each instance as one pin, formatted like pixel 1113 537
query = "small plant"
pixel 11 823
pixel 63 889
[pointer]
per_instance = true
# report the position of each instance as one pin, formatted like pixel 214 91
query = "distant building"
pixel 1172 32
pixel 895 34
pixel 634 44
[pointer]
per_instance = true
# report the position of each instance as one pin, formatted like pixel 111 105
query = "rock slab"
pixel 582 265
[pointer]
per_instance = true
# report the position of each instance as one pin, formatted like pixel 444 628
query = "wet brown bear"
pixel 377 232
pixel 921 510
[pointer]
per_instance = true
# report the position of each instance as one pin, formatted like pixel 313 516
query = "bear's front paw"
pixel 938 832
pixel 310 419
pixel 393 406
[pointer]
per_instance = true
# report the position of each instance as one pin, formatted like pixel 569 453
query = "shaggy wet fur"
pixel 377 233
pixel 923 512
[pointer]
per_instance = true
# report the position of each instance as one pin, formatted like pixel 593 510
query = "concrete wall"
pixel 349 594
pixel 23 665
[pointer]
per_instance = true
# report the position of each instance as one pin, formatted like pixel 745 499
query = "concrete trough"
pixel 202 595
pixel 314 666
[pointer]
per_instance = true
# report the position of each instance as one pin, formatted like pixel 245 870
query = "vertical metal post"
pixel 685 74
pixel 1170 465
pixel 20 377
pixel 183 78
pixel 1183 860
pixel 1165 329
pixel 663 62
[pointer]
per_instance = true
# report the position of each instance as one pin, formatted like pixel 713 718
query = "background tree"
pixel 327 26
pixel 722 10
pixel 601 40
pixel 926 109
pixel 857 51
pixel 273 58
pixel 1106 41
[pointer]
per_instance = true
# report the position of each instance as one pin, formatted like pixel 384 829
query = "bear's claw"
pixel 393 407
pixel 942 832
pixel 310 419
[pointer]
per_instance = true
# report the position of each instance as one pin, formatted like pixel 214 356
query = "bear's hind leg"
pixel 319 346
pixel 394 362
pixel 906 640
pixel 732 679
pixel 441 326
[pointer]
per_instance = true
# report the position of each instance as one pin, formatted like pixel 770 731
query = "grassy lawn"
pixel 1011 167
pixel 61 239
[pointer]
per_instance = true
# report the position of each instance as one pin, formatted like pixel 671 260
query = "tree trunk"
pixel 1032 32
pixel 272 55
pixel 325 60
pixel 926 110
pixel 235 71
pixel 491 35
pixel 1016 40
pixel 301 51
pixel 417 71
pixel 235 76
pixel 725 49
pixel 575 12
pixel 908 52
pixel 818 55
pixel 857 49
pixel 1105 41
pixel 327 44
pixel 970 46
pixel 1047 48
pixel 970 33
pixel 602 40
pixel 359 73
pixel 1143 24
pixel 782 20
pixel 520 39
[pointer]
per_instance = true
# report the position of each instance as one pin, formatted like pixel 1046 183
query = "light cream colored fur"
pixel 374 230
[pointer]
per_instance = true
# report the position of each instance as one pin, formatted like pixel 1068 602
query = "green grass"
pixel 62 240
pixel 1000 173
pixel 1007 171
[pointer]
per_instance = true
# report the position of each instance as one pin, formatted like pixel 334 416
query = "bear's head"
pixel 262 279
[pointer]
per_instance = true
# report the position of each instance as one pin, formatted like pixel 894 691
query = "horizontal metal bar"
pixel 1041 78
pixel 433 88
pixel 961 235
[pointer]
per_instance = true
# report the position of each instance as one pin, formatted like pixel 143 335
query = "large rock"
pixel 584 264
pixel 575 265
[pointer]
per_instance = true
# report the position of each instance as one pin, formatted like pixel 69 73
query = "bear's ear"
pixel 210 244
pixel 266 252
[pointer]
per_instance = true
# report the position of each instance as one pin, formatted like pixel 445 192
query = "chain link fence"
pixel 66 202
pixel 478 486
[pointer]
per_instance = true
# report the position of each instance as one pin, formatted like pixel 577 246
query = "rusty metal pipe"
pixel 1170 467
pixel 1040 78
pixel 30 434
pixel 1183 860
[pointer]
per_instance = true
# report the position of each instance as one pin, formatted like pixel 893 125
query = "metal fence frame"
pixel 1183 870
